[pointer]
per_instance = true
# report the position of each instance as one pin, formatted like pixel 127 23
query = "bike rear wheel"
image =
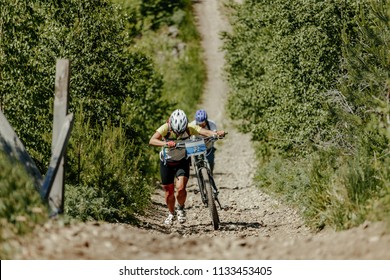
pixel 210 200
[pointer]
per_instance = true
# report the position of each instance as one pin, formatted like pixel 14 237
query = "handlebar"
pixel 194 138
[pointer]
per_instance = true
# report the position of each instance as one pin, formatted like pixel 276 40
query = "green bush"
pixel 159 12
pixel 21 207
pixel 113 89
pixel 282 59
pixel 104 74
pixel 310 81
pixel 111 184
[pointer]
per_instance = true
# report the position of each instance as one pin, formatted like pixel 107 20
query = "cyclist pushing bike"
pixel 203 121
pixel 174 165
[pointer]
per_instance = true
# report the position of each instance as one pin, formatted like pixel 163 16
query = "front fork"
pixel 215 189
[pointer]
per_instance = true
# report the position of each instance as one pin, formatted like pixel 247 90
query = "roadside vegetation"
pixel 21 208
pixel 310 82
pixel 132 63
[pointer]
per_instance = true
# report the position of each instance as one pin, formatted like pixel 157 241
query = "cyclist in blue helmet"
pixel 202 120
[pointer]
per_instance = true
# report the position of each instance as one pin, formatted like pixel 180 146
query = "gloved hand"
pixel 171 144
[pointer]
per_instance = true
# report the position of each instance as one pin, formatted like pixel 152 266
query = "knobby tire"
pixel 210 197
pixel 202 188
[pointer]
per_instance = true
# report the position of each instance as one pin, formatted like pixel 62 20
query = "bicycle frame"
pixel 200 162
pixel 196 149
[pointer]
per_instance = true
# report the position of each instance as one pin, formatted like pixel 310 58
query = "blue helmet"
pixel 200 116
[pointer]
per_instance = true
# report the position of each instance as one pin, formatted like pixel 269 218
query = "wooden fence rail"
pixel 11 145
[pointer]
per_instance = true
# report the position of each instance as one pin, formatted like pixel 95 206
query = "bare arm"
pixel 156 140
pixel 206 132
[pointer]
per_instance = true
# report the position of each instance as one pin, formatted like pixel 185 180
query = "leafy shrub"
pixel 282 58
pixel 104 75
pixel 159 12
pixel 111 185
pixel 309 80
pixel 112 89
pixel 21 207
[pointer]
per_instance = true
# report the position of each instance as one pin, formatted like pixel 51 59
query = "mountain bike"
pixel 196 148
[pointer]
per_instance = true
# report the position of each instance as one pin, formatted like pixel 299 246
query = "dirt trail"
pixel 253 225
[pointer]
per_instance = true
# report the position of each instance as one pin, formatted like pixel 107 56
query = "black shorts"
pixel 168 171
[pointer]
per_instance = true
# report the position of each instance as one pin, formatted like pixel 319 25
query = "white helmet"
pixel 178 121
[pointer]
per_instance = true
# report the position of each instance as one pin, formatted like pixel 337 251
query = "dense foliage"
pixel 113 92
pixel 310 80
pixel 159 12
pixel 283 59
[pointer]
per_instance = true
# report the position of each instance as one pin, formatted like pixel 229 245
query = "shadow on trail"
pixel 206 227
pixel 233 226
pixel 156 227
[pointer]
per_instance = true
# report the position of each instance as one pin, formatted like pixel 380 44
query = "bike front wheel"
pixel 210 199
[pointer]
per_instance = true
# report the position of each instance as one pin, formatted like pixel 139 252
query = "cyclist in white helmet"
pixel 203 121
pixel 174 166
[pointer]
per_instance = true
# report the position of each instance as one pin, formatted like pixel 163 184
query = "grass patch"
pixel 330 189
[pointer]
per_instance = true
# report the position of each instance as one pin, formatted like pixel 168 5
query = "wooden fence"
pixel 51 186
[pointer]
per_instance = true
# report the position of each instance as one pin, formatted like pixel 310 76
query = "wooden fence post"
pixel 56 160
pixel 56 195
